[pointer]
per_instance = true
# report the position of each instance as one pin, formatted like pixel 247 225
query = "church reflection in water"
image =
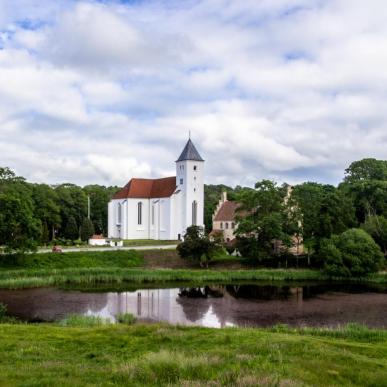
pixel 211 306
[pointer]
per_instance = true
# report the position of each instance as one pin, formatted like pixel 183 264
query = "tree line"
pixel 36 214
pixel 314 214
pixel 343 228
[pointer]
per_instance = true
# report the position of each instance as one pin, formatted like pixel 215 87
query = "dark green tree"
pixel 99 199
pixel 351 254
pixel 196 246
pixel 325 211
pixel 262 220
pixel 46 209
pixel 19 230
pixel 72 201
pixel 376 226
pixel 366 169
pixel 71 230
pixel 87 229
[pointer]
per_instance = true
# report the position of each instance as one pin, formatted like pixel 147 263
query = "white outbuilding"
pixel 160 209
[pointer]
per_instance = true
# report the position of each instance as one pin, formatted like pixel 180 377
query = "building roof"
pixel 227 211
pixel 190 153
pixel 148 188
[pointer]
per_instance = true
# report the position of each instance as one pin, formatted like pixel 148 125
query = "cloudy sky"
pixel 101 91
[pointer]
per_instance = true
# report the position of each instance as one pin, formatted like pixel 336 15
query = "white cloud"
pixel 97 92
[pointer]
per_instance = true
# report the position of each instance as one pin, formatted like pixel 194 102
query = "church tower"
pixel 190 182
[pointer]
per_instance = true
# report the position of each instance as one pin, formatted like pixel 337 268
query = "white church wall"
pixel 111 220
pixel 133 230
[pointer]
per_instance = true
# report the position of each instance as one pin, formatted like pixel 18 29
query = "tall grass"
pixel 76 320
pixel 161 354
pixel 16 279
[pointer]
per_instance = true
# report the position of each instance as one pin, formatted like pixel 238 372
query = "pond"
pixel 253 305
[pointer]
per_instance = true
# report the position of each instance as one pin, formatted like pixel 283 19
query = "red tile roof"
pixel 148 188
pixel 227 211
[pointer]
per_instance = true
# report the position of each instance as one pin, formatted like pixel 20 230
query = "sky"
pixel 97 92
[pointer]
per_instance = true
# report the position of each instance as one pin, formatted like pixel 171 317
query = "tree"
pixel 72 201
pixel 352 253
pixel 19 230
pixel 325 210
pixel 337 214
pixel 366 169
pixel 376 226
pixel 262 220
pixel 366 183
pixel 71 230
pixel 196 246
pixel 99 199
pixel 46 209
pixel 87 229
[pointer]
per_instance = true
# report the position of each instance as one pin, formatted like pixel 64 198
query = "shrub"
pixel 197 246
pixel 352 253
pixel 125 318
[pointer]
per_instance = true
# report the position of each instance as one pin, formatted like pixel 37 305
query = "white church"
pixel 160 209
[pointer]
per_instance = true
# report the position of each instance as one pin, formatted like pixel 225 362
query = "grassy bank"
pixel 82 259
pixel 16 279
pixel 181 356
pixel 148 242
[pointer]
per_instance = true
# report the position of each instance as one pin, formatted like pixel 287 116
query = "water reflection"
pixel 212 305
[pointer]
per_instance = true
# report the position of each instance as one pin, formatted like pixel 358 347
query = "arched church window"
pixel 139 213
pixel 226 225
pixel 153 214
pixel 194 212
pixel 195 167
pixel 221 225
pixel 119 213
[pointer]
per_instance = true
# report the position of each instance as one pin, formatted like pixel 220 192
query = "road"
pixel 77 249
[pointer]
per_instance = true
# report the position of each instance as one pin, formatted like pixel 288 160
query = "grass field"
pixel 82 259
pixel 157 355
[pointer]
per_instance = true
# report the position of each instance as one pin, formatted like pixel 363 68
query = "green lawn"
pixel 82 259
pixel 156 355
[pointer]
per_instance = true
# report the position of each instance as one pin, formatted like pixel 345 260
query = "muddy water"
pixel 212 305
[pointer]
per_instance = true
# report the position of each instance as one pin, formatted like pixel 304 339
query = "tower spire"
pixel 190 153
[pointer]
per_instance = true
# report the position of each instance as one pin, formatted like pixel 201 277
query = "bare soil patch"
pixel 169 259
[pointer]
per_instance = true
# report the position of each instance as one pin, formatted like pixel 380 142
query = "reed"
pixel 17 279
